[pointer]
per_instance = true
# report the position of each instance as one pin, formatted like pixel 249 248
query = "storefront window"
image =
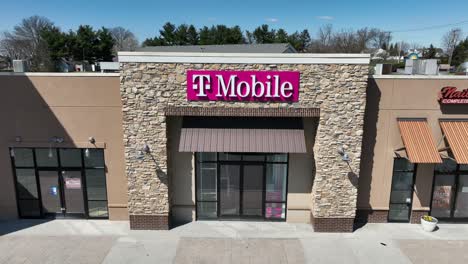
pixel 23 157
pixel 276 182
pixel 70 157
pixel 207 171
pixel 46 157
pixel 241 185
pixel 450 193
pixel 461 204
pixel 402 190
pixel 97 192
pixel 275 211
pixel 94 158
pixel 62 180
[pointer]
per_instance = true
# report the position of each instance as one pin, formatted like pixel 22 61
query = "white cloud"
pixel 325 17
pixel 272 20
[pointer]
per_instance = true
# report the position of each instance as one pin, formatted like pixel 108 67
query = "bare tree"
pixel 380 38
pixel 345 42
pixel 416 46
pixel 125 40
pixel 402 48
pixel 450 41
pixel 25 42
pixel 325 35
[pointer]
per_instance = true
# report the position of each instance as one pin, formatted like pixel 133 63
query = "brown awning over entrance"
pixel 419 143
pixel 242 140
pixel 456 132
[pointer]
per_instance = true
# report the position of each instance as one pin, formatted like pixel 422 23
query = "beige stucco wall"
pixel 37 108
pixel 387 100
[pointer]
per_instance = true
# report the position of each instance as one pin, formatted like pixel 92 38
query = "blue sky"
pixel 144 18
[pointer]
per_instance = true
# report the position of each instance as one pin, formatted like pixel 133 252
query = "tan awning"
pixel 242 140
pixel 456 132
pixel 419 143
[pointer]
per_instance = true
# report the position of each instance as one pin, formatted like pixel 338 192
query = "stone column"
pixel 334 192
pixel 144 124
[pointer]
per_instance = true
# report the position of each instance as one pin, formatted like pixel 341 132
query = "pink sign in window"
pixel 264 86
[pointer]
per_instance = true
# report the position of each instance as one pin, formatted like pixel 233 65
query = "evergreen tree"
pixel 460 53
pixel 192 35
pixel 205 36
pixel 263 34
pixel 431 52
pixel 181 35
pixel 281 36
pixel 85 44
pixel 167 34
pixel 105 44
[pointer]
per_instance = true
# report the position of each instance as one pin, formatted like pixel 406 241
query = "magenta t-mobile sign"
pixel 282 86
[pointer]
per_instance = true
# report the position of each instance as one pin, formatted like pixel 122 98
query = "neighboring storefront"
pixel 307 138
pixel 62 148
pixel 415 149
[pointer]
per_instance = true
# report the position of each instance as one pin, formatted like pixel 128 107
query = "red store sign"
pixel 263 86
pixel 451 95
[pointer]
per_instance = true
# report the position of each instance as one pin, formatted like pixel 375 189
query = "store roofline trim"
pixel 245 58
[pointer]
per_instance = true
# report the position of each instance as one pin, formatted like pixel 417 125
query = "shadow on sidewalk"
pixel 11 226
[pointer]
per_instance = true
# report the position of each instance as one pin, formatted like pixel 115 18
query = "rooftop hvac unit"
pixel 424 67
pixel 20 66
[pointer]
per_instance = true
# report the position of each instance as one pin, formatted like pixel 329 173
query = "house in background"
pixel 4 64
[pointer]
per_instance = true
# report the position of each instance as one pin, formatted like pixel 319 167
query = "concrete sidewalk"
pixel 88 241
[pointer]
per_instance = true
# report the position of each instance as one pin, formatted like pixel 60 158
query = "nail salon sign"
pixel 263 86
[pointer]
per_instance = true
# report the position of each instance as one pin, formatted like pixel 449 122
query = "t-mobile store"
pixel 271 137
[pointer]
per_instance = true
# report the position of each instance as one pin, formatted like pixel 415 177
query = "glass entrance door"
pixel 241 185
pixel 50 193
pixel 241 190
pixel 62 193
pixel 73 193
pixel 252 190
pixel 442 195
pixel 450 192
pixel 230 176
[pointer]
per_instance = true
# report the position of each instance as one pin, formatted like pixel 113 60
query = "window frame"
pixel 242 162
pixel 456 173
pixel 410 205
pixel 59 168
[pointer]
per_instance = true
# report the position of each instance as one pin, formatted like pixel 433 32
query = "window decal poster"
pixel 442 197
pixel 73 183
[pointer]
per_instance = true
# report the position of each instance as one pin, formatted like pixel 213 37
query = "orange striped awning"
pixel 456 132
pixel 419 143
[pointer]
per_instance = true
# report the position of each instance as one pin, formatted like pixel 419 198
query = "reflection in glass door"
pixel 402 191
pixel 450 191
pixel 73 193
pixel 442 196
pixel 252 191
pixel 461 203
pixel 241 185
pixel 229 190
pixel 50 192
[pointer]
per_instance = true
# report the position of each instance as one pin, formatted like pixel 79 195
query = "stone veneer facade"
pixel 339 90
